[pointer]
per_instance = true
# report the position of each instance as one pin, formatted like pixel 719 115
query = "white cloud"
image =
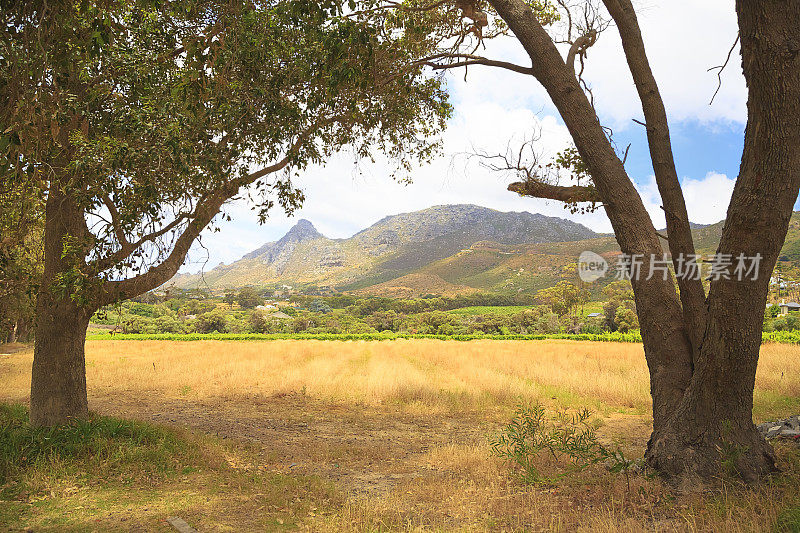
pixel 684 38
pixel 706 198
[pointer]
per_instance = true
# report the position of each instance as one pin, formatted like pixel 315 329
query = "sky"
pixel 496 108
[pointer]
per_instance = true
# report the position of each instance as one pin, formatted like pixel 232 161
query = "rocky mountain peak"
pixel 304 230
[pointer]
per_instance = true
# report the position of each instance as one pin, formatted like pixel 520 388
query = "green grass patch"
pixel 97 447
pixel 771 405
pixel 489 310
pixel 789 520
pixel 602 337
pixel 109 474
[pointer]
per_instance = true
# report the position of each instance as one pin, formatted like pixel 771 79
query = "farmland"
pixel 367 435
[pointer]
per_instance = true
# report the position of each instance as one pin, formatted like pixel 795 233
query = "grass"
pixel 602 337
pixel 105 473
pixel 99 442
pixel 489 310
pixel 358 436
pixel 426 375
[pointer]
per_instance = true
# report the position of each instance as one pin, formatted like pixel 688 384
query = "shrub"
pixel 135 324
pixel 212 322
pixel 626 319
pixel 567 438
pixel 168 324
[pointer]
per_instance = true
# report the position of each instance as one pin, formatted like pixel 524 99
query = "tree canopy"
pixel 150 115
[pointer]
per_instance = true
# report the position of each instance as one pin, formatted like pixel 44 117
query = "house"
pixel 594 315
pixel 789 306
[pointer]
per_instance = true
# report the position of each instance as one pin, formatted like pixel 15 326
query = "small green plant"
pixel 569 438
pixel 185 390
pixel 788 520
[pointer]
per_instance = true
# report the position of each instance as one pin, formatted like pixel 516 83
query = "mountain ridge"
pixel 439 250
pixel 394 246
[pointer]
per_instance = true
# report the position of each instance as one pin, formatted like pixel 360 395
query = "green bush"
pixel 212 322
pixel 567 437
pixel 168 324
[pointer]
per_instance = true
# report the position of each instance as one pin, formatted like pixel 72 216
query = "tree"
pixel 563 297
pixel 625 319
pixel 137 121
pixel 20 259
pixel 212 322
pixel 620 306
pixel 701 346
pixel 319 306
pixel 248 298
pixel 229 297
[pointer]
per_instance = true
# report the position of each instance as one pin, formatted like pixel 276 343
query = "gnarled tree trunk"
pixel 714 423
pixel 702 351
pixel 58 380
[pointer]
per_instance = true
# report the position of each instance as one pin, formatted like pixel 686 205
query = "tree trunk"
pixel 702 354
pixel 711 433
pixel 712 429
pixel 58 380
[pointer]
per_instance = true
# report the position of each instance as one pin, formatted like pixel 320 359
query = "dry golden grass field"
pixel 389 435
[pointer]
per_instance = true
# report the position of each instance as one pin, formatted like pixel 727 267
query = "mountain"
pixel 408 244
pixel 447 249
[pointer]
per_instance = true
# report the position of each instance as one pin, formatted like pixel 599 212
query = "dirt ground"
pixel 363 450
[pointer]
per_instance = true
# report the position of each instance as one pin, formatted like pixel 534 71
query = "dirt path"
pixel 364 450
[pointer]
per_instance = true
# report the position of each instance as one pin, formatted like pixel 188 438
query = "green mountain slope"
pixel 391 248
pixel 441 250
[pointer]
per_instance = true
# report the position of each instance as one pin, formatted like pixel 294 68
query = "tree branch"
pixel 679 231
pixel 721 68
pixel 115 221
pixel 470 59
pixel 567 194
pixel 205 212
pixel 581 44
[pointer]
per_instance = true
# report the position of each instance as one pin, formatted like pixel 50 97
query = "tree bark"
pixel 58 380
pixel 713 426
pixel 702 353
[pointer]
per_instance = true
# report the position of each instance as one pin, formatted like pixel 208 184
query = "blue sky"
pixel 495 107
pixel 699 148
